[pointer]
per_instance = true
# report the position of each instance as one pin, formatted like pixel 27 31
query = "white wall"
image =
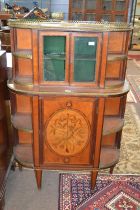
pixel 60 6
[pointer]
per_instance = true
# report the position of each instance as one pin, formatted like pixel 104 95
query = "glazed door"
pixel 85 59
pixel 54 58
pixel 68 128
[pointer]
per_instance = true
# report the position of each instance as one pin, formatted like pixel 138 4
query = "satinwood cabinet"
pixel 68 94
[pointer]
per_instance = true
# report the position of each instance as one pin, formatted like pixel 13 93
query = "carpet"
pixel 134 56
pixel 134 81
pixel 112 192
pixel 131 97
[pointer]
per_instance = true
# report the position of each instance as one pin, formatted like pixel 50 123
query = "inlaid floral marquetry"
pixel 67 132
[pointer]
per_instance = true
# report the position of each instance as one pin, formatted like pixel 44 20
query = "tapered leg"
pixel 93 179
pixel 38 174
pixel 111 169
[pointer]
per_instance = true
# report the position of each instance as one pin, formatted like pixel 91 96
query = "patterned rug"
pixel 134 56
pixel 131 97
pixel 112 192
pixel 134 81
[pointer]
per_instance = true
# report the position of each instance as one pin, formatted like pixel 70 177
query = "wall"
pixel 52 5
pixel 60 6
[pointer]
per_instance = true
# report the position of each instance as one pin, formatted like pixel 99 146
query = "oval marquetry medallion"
pixel 67 132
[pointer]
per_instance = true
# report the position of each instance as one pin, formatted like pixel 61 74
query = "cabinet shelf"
pixel 22 122
pixel 112 125
pixel 24 155
pixel 26 80
pixel 116 57
pixel 23 54
pixel 41 90
pixel 109 157
pixel 113 83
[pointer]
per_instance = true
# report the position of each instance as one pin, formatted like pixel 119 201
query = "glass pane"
pixel 84 71
pixel 106 17
pixel 77 4
pixel 91 4
pixel 90 17
pixel 85 59
pixel 54 58
pixel 76 16
pixel 119 18
pixel 107 5
pixel 120 5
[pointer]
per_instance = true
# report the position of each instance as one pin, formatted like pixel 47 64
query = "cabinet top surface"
pixel 69 25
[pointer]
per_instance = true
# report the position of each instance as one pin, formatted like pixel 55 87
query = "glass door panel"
pixel 77 4
pixel 54 58
pixel 90 4
pixel 106 17
pixel 107 5
pixel 120 5
pixel 90 17
pixel 77 16
pixel 119 18
pixel 85 59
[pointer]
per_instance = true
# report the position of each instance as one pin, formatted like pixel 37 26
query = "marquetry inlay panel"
pixel 67 132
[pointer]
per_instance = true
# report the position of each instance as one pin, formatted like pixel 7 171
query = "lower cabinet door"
pixel 68 127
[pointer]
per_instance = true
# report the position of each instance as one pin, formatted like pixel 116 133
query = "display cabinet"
pixel 68 94
pixel 93 10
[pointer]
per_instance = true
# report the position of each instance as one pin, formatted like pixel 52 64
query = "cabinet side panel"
pixel 114 69
pixel 24 39
pixel 116 42
pixel 112 106
pixel 23 104
pixel 24 67
pixel 24 137
pixel 109 140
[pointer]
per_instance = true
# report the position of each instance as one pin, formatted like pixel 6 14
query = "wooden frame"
pixel 41 80
pixel 98 60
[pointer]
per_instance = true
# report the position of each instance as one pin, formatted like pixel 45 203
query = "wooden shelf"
pixel 109 157
pixel 25 81
pixel 22 121
pixel 113 83
pixel 64 90
pixel 23 54
pixel 24 155
pixel 112 125
pixel 116 57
